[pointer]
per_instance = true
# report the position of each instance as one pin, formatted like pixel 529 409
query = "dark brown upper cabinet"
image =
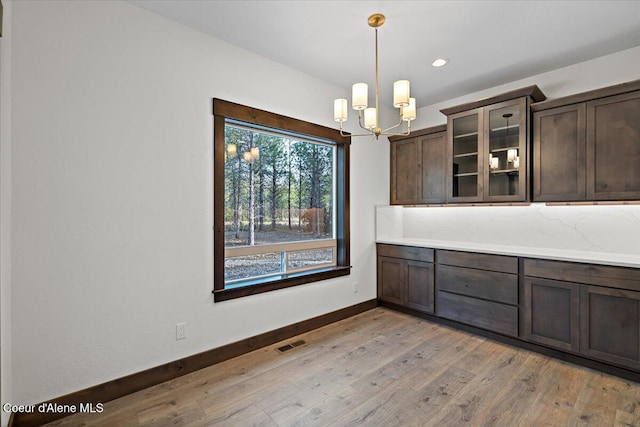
pixel 488 146
pixel 418 167
pixel 559 146
pixel 586 147
pixel 613 147
pixel 465 165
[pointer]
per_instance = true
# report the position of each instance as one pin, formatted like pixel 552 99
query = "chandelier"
pixel 359 100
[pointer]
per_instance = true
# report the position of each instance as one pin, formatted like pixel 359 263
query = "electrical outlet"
pixel 355 287
pixel 181 331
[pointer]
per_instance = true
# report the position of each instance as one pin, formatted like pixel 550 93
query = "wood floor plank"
pixel 418 407
pixel 599 399
pixel 171 413
pixel 517 395
pixel 478 394
pixel 327 409
pixel 626 419
pixel 557 392
pixel 381 368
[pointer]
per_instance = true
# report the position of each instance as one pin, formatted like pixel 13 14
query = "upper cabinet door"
pixel 465 156
pixel 613 147
pixel 434 154
pixel 405 172
pixel 505 142
pixel 559 144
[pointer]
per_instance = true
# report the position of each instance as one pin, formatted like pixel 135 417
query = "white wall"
pixel 112 194
pixel 5 212
pixel 619 67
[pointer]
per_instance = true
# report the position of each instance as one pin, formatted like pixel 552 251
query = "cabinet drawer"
pixel 505 264
pixel 406 252
pixel 489 315
pixel 602 275
pixel 500 287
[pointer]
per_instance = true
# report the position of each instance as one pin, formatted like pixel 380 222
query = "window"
pixel 281 201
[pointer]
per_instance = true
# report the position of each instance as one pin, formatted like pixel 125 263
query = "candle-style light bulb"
pixel 370 118
pixel 495 163
pixel 409 112
pixel 340 110
pixel 359 95
pixel 401 89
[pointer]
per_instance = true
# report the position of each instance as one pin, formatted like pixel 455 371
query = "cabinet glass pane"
pixel 465 156
pixel 504 151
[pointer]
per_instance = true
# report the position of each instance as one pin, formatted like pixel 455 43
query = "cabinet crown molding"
pixel 587 96
pixel 533 92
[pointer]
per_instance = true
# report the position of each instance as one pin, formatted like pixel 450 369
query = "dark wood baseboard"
pixel 515 342
pixel 135 382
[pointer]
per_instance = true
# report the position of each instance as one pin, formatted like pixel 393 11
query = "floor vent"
pixel 290 346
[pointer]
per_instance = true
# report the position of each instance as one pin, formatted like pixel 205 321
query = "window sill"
pixel 252 287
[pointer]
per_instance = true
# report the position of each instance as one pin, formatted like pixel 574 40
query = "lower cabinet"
pixel 593 311
pixel 406 276
pixel 419 286
pixel 551 313
pixel 584 309
pixel 488 315
pixel 478 289
pixel 391 279
pixel 610 325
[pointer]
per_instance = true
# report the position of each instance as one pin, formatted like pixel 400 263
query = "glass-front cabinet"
pixel 488 153
pixel 506 140
pixel 466 153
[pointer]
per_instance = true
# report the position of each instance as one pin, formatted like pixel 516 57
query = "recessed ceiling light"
pixel 440 62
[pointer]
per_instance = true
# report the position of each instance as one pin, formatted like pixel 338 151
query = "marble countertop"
pixel 622 260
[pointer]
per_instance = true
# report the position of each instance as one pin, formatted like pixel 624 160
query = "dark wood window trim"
pixel 223 110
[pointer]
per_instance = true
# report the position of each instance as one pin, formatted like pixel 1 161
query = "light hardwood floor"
pixel 382 368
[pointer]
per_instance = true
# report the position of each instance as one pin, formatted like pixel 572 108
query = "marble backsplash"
pixel 610 229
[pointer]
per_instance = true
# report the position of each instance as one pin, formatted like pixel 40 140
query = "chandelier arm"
pixel 359 134
pixel 371 134
pixel 394 126
pixel 407 133
pixel 352 134
pixel 401 134
pixel 356 134
pixel 360 121
pixel 341 131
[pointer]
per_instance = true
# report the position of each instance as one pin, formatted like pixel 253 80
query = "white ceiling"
pixel 488 43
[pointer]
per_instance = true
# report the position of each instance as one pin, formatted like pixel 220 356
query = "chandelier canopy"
pixel 360 95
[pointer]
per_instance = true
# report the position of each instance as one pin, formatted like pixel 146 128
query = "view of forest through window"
pixel 279 189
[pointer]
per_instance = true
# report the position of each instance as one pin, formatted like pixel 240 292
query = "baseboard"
pixel 120 387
